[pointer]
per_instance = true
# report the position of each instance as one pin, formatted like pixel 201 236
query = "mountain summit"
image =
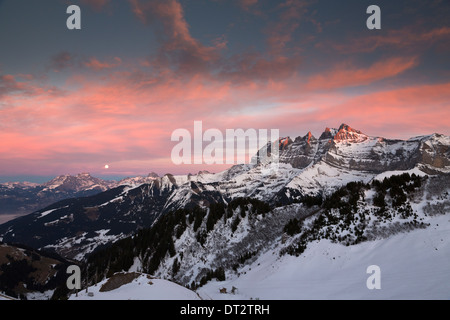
pixel 344 133
pixel 347 134
pixel 80 182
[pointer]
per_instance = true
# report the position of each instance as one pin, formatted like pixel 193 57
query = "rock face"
pixel 345 154
pixel 307 166
pixel 350 149
pixel 435 152
pixel 349 135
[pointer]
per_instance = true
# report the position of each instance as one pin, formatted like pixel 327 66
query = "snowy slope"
pixel 388 174
pixel 413 265
pixel 4 297
pixel 141 288
pixel 325 178
pixel 393 241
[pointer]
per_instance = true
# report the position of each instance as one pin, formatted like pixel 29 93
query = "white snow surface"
pixel 25 185
pixel 43 214
pixel 141 288
pixel 323 176
pixel 388 174
pixel 4 297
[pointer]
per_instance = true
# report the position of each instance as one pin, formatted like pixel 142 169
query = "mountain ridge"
pixel 308 168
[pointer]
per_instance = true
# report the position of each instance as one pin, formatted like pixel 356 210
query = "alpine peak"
pixel 308 137
pixel 284 142
pixel 328 134
pixel 348 134
pixel 153 175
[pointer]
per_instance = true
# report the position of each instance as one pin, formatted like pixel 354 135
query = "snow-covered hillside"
pixel 413 265
pixel 142 287
pixel 5 297
pixel 304 250
pixel 411 247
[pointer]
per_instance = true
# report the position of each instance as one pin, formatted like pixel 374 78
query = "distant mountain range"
pixel 19 198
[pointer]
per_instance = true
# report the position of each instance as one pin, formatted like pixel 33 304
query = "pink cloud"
pixel 120 121
pixel 346 75
pixel 403 112
pixel 126 119
pixel 11 85
pixel 391 113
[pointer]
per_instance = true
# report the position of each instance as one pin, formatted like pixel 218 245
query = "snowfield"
pixel 414 265
pixel 5 298
pixel 141 288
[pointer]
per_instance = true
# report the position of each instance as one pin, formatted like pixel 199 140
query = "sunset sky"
pixel 113 92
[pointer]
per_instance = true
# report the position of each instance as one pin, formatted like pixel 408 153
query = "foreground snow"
pixel 414 265
pixel 4 297
pixel 141 288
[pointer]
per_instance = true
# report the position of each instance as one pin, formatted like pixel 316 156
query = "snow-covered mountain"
pixel 308 165
pixel 245 250
pixel 24 184
pixel 136 181
pixel 343 155
pixel 311 170
pixel 80 182
pixel 19 198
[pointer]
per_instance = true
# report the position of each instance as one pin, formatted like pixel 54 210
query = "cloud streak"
pixel 95 64
pixel 347 75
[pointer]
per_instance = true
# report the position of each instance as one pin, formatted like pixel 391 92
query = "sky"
pixel 114 91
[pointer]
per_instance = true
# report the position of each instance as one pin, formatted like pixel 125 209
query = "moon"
pixel 106 166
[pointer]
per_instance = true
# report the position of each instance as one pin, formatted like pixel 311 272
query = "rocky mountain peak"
pixel 153 175
pixel 346 133
pixel 284 142
pixel 309 137
pixel 81 181
pixel 328 134
pixel 84 175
